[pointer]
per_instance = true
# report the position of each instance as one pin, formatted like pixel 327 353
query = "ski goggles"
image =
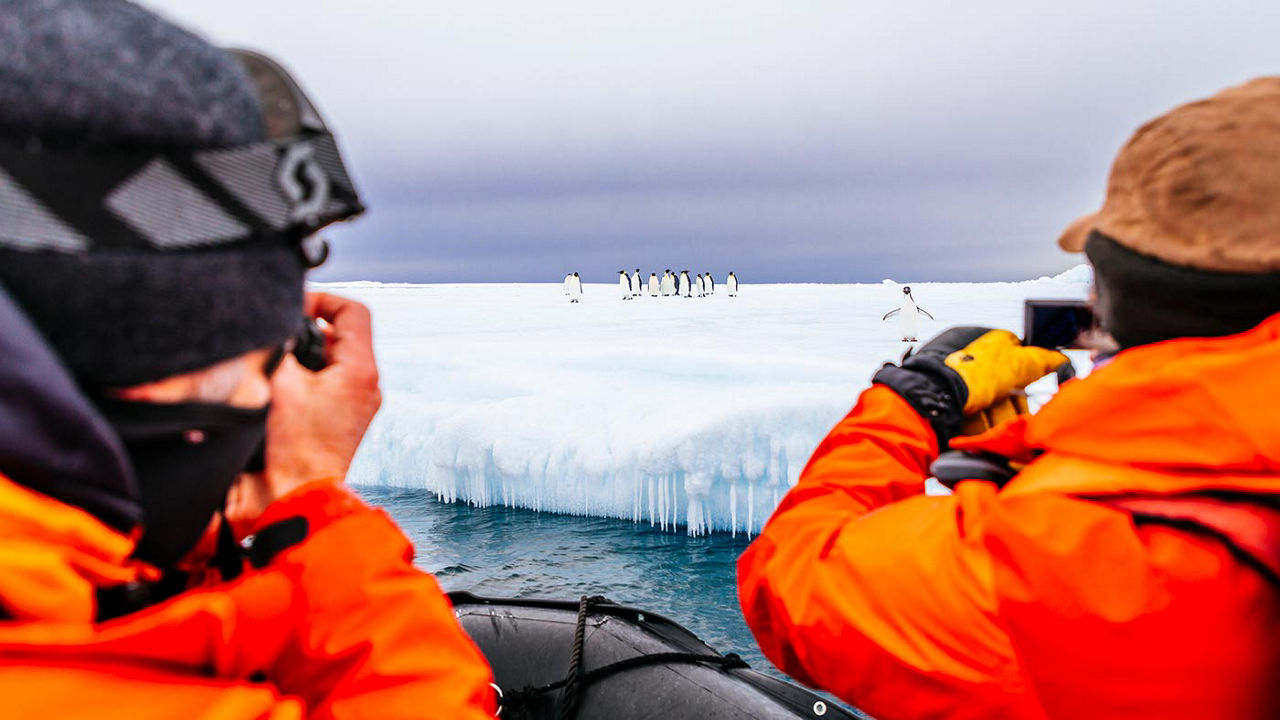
pixel 281 189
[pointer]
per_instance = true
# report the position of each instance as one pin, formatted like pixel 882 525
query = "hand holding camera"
pixel 324 395
pixel 318 418
pixel 962 380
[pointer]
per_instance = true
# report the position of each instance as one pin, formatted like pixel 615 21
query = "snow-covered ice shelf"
pixel 682 413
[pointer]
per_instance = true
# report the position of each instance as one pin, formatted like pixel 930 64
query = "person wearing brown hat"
pixel 1115 555
pixel 159 199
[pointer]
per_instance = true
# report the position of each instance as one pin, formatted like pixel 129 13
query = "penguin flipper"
pixel 891 313
pixel 926 312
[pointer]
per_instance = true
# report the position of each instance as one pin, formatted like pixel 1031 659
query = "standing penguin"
pixel 685 288
pixel 702 287
pixel 908 316
pixel 711 284
pixel 731 282
pixel 637 284
pixel 624 284
pixel 668 283
pixel 573 287
pixel 653 285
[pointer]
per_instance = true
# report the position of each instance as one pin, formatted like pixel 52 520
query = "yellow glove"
pixel 985 367
pixel 997 364
pixel 987 418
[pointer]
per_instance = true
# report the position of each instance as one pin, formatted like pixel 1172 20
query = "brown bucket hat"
pixel 1199 186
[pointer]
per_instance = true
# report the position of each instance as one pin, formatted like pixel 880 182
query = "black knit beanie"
pixel 109 74
pixel 1143 300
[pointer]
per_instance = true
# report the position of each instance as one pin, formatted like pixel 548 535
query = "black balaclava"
pixel 185 457
pixel 1143 300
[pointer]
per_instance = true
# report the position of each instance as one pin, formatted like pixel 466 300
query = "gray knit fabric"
pixel 120 319
pixel 107 73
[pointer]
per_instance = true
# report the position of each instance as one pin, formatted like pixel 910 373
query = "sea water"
pixel 511 552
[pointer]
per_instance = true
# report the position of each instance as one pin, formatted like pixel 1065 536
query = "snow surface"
pixel 694 413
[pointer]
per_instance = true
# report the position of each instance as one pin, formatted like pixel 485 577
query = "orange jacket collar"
pixel 54 556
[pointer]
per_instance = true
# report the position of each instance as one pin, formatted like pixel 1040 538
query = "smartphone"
pixel 1058 324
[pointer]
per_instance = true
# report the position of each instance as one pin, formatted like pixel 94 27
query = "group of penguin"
pixel 670 284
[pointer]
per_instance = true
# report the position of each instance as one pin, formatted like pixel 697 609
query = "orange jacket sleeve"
pixel 374 637
pixel 862 585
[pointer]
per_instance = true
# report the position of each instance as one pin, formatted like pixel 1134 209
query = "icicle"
pixel 670 500
pixel 670 490
pixel 675 500
pixel 667 488
pixel 733 509
pixel 675 503
pixel 751 507
pixel 651 519
pixel 662 504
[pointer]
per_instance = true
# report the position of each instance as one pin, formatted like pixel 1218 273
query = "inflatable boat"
pixel 596 659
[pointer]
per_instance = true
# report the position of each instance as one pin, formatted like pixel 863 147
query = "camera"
pixel 309 346
pixel 1059 324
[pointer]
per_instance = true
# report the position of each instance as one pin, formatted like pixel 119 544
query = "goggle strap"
pixel 86 201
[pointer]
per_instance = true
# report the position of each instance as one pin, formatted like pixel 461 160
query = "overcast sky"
pixel 788 141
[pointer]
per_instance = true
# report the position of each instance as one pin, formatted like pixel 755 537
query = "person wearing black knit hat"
pixel 1115 555
pixel 173 432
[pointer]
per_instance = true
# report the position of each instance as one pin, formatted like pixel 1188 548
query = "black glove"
pixel 932 388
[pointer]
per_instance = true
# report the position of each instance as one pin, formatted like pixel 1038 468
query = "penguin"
pixel 624 284
pixel 702 287
pixel 685 289
pixel 653 285
pixel 731 283
pixel 908 315
pixel 568 280
pixel 668 284
pixel 711 284
pixel 573 287
pixel 637 284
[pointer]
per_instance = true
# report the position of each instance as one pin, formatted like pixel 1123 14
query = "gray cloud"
pixel 787 141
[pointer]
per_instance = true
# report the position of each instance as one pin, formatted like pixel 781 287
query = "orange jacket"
pixel 340 625
pixel 1032 601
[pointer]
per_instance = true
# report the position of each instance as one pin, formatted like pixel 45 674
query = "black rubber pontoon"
pixel 595 659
